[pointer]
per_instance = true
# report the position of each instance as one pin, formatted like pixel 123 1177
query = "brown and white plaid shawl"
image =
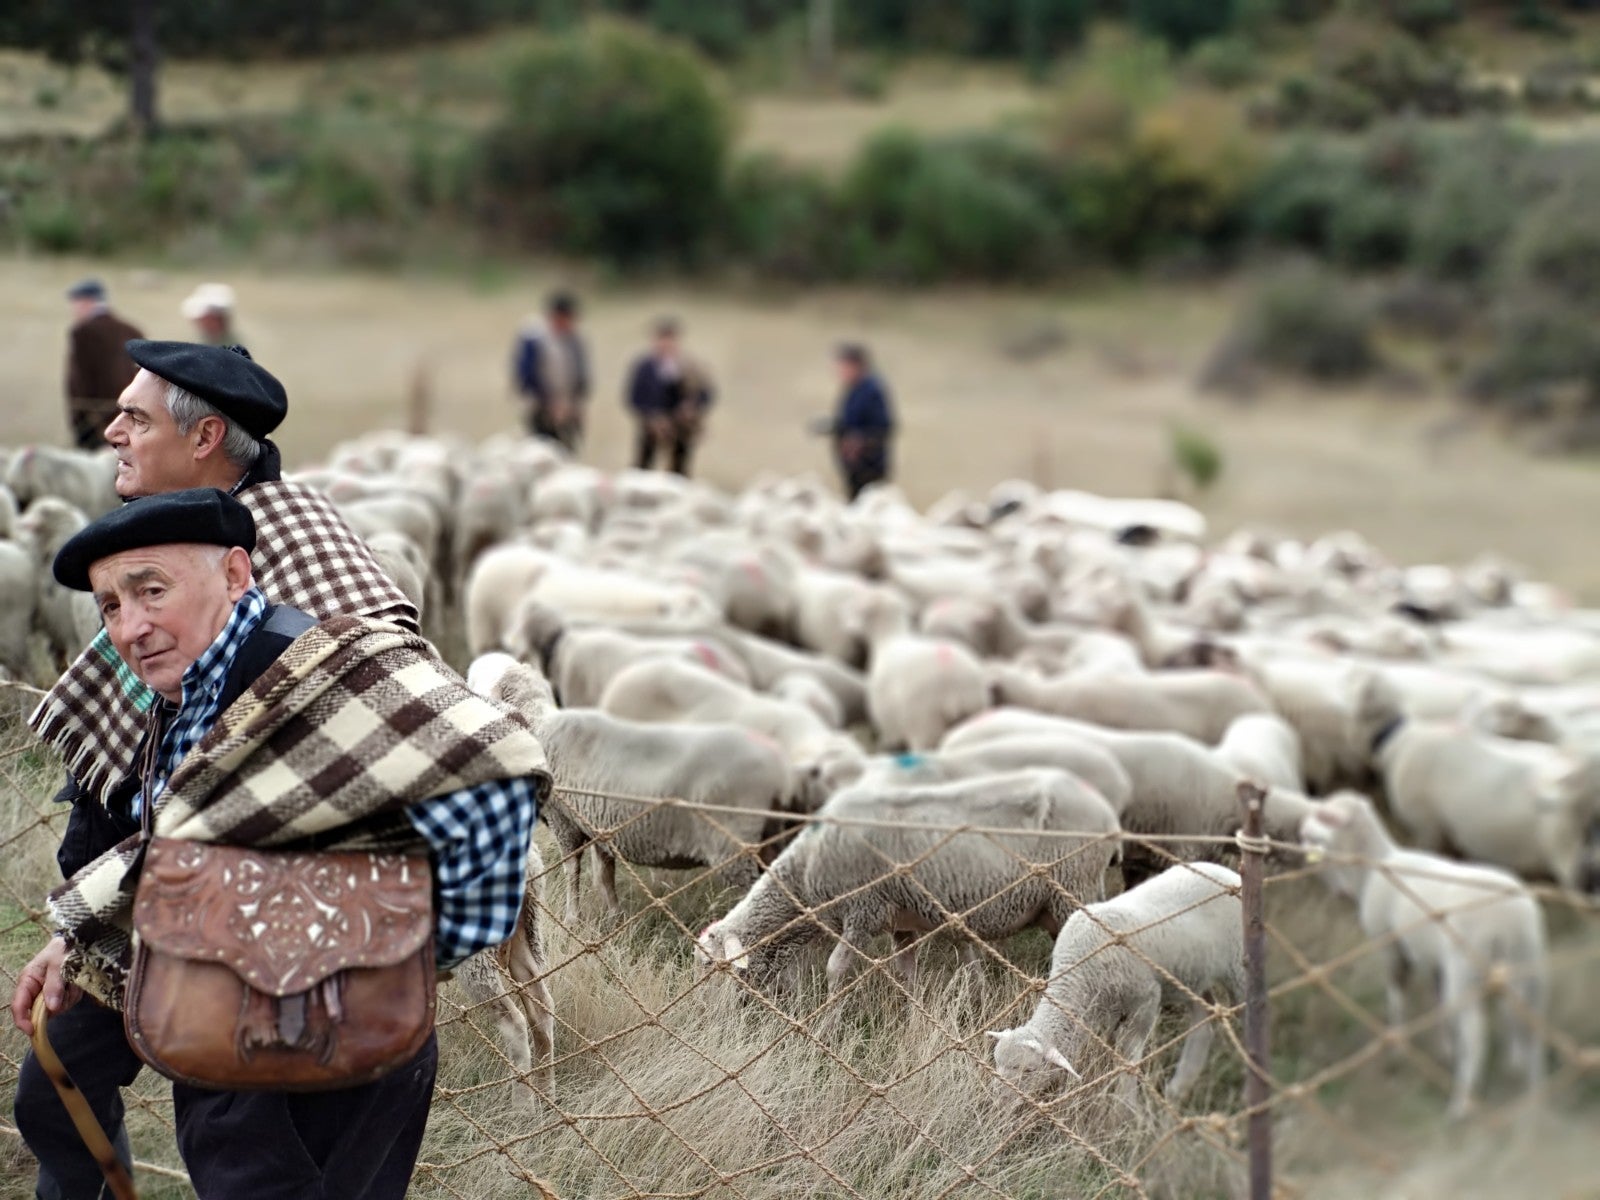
pixel 305 557
pixel 355 720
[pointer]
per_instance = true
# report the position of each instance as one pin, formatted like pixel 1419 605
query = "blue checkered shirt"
pixel 479 835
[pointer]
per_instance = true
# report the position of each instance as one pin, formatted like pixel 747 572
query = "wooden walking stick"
pixel 83 1118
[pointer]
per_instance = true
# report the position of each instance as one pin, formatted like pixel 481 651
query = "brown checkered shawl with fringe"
pixel 355 720
pixel 305 557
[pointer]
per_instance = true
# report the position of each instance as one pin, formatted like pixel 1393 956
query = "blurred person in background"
pixel 669 393
pixel 551 373
pixel 209 308
pixel 98 366
pixel 863 423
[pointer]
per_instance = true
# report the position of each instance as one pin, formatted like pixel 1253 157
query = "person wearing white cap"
pixel 210 308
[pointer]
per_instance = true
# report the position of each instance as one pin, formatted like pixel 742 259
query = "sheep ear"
pixel 1056 1058
pixel 996 1034
pixel 733 950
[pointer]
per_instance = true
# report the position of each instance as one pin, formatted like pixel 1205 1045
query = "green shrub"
pixel 1300 321
pixel 1423 18
pixel 612 142
pixel 1181 23
pixel 1537 343
pixel 1195 455
pixel 1370 228
pixel 783 220
pixel 1227 62
pixel 1556 248
pixel 924 210
pixel 1469 207
pixel 1300 190
pixel 52 225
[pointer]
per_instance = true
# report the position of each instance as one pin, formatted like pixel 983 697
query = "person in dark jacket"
pixel 98 366
pixel 551 373
pixel 863 424
pixel 669 394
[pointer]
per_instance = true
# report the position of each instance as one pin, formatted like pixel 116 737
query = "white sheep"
pixel 407 567
pixel 1529 807
pixel 840 878
pixel 609 772
pixel 1179 934
pixel 509 981
pixel 1475 930
pixel 19 597
pixel 1201 704
pixel 85 481
pixel 68 619
pixel 1263 747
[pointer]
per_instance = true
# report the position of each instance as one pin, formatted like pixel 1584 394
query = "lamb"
pixel 839 877
pixel 594 756
pixel 581 662
pixel 1529 807
pixel 523 1015
pixel 1179 934
pixel 1474 929
pixel 1180 788
pixel 404 562
pixel 1094 766
pixel 668 690
pixel 1338 712
pixel 85 481
pixel 830 609
pixel 1263 747
pixel 1201 704
pixel 920 687
pixel 19 597
pixel 68 619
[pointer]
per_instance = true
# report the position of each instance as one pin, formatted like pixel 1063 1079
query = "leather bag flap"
pixel 283 921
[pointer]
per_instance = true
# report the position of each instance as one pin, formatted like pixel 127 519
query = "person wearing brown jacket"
pixel 98 366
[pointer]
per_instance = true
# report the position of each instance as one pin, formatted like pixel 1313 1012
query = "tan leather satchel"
pixel 280 970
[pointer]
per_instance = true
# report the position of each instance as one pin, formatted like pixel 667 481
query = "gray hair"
pixel 238 446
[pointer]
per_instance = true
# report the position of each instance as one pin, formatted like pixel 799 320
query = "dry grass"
pixel 672 1082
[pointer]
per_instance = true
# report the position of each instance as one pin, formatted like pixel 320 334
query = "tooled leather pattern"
pixel 283 921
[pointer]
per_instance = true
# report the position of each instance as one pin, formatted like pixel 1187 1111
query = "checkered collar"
pixel 202 682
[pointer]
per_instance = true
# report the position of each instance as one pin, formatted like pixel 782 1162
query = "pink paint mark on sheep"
pixel 754 572
pixel 708 655
pixel 945 656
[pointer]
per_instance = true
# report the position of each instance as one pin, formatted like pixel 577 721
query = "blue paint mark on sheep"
pixel 909 761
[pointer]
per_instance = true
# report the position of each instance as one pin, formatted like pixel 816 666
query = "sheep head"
pixel 1021 1055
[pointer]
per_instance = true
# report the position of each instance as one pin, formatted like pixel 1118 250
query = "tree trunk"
pixel 144 57
pixel 821 31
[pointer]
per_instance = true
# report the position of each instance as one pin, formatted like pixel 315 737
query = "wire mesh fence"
pixel 832 1033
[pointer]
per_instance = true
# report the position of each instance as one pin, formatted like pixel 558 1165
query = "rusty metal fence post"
pixel 1257 1087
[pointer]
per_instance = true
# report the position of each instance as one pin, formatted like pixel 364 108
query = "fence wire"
pixel 667 1077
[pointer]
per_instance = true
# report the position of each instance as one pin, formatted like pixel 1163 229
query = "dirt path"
pixel 1092 413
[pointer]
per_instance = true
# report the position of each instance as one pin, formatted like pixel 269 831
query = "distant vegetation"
pixel 1427 199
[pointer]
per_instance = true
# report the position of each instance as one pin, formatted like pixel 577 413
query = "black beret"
pixel 224 376
pixel 204 515
pixel 87 289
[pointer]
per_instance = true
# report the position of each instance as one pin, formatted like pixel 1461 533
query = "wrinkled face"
pixel 849 370
pixel 211 324
pixel 164 605
pixel 152 456
pixel 1021 1058
pixel 83 307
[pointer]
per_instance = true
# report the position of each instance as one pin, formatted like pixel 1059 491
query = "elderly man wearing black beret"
pixel 194 416
pixel 171 576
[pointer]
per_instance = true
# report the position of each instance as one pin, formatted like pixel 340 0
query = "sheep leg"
pixel 1196 1048
pixel 845 960
pixel 525 963
pixel 1522 1032
pixel 905 956
pixel 1133 1034
pixel 1471 1037
pixel 1394 988
pixel 572 848
pixel 607 876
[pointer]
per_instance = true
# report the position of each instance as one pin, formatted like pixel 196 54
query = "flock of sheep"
pixel 1084 683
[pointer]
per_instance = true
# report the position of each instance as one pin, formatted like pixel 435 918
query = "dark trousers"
pixel 95 1051
pixel 857 478
pixel 540 425
pixel 357 1143
pixel 675 446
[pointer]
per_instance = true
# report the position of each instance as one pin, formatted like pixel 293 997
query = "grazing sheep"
pixel 404 562
pixel 68 619
pixel 581 661
pixel 523 1014
pixel 1180 788
pixel 1338 712
pixel 10 510
pixel 594 756
pixel 920 687
pixel 1201 704
pixel 85 481
pixel 665 689
pixel 1531 808
pixel 1096 767
pixel 841 878
pixel 1179 934
pixel 1473 929
pixel 1263 747
pixel 19 597
pixel 830 611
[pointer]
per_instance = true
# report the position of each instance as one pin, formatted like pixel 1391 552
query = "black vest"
pixel 93 827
